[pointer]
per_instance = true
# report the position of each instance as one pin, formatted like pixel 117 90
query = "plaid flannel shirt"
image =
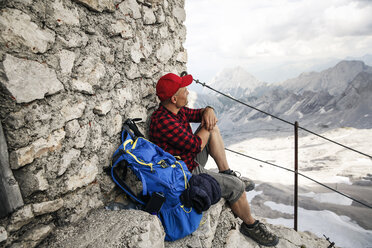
pixel 172 132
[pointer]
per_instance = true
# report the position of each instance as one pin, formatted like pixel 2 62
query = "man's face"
pixel 181 97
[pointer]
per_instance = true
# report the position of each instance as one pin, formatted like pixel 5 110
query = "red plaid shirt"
pixel 173 133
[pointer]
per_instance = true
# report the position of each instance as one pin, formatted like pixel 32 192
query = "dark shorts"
pixel 231 187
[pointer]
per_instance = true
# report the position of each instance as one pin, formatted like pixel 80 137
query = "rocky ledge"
pixel 134 228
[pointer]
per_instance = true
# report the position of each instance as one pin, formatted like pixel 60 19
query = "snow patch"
pixel 329 198
pixel 340 229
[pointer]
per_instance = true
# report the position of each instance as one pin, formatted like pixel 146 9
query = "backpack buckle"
pixel 163 164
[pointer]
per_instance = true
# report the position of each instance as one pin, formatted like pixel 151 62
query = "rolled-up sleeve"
pixel 193 115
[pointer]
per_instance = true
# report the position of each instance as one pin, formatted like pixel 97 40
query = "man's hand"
pixel 209 119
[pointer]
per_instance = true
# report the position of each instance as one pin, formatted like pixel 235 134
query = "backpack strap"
pixel 131 124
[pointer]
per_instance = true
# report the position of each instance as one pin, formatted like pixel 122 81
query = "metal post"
pixel 296 176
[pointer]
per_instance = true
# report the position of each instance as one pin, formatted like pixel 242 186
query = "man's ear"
pixel 173 99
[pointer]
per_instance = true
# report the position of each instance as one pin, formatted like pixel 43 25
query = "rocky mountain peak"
pixel 235 81
pixel 334 80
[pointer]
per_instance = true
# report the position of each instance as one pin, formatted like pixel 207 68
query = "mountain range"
pixel 340 96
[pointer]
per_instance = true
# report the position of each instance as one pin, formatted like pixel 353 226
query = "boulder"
pixel 104 228
pixel 18 31
pixel 26 79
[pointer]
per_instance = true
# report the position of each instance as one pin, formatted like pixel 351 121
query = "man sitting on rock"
pixel 170 129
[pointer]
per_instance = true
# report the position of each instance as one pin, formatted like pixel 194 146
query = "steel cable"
pixel 283 120
pixel 307 177
pixel 309 131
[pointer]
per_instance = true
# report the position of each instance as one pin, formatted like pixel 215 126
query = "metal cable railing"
pixel 296 126
pixel 283 120
pixel 307 177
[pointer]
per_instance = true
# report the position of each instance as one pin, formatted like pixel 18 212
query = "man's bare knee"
pixel 215 131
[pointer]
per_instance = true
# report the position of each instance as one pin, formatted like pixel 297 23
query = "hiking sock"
pixel 251 225
pixel 228 171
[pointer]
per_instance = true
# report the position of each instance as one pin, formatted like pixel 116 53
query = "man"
pixel 170 129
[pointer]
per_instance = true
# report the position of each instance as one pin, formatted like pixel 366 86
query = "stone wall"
pixel 70 73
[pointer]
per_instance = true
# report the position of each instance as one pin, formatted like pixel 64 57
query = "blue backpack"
pixel 163 178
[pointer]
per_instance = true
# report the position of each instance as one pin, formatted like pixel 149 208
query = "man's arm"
pixel 177 136
pixel 203 134
pixel 209 119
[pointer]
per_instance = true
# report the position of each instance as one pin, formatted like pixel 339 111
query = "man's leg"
pixel 217 149
pixel 230 188
pixel 241 209
pixel 215 146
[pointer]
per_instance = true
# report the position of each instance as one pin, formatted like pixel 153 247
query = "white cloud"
pixel 259 34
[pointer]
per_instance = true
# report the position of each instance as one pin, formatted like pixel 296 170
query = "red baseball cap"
pixel 168 85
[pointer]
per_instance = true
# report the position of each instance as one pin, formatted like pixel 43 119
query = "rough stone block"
pixel 37 112
pixel 165 52
pixel 20 218
pixel 133 72
pixel 74 39
pixel 42 183
pixel 16 120
pixel 72 111
pixel 180 14
pixel 160 16
pixel 235 239
pixel 26 155
pixel 98 5
pixel 17 31
pixel 103 107
pixel 26 79
pixel 125 228
pixel 163 31
pixel 122 28
pixel 182 57
pixel 31 181
pixel 3 234
pixel 66 160
pixel 171 24
pixel 47 207
pixel 115 125
pixel 130 7
pixel 148 16
pixel 86 174
pixel 124 95
pixel 33 237
pixel 136 53
pixel 81 137
pixel 148 71
pixel 79 203
pixel 145 47
pixel 82 86
pixel 72 128
pixel 91 71
pixel 138 112
pixel 10 194
pixel 66 61
pixel 62 15
pixel 206 231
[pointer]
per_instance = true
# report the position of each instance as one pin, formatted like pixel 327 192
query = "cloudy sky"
pixel 275 40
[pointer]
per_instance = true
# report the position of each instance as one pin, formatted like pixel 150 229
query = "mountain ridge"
pixel 337 97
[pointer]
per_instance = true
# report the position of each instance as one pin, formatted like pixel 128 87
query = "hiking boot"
pixel 260 234
pixel 249 184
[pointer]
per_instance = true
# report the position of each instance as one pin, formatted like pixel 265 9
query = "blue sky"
pixel 274 40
